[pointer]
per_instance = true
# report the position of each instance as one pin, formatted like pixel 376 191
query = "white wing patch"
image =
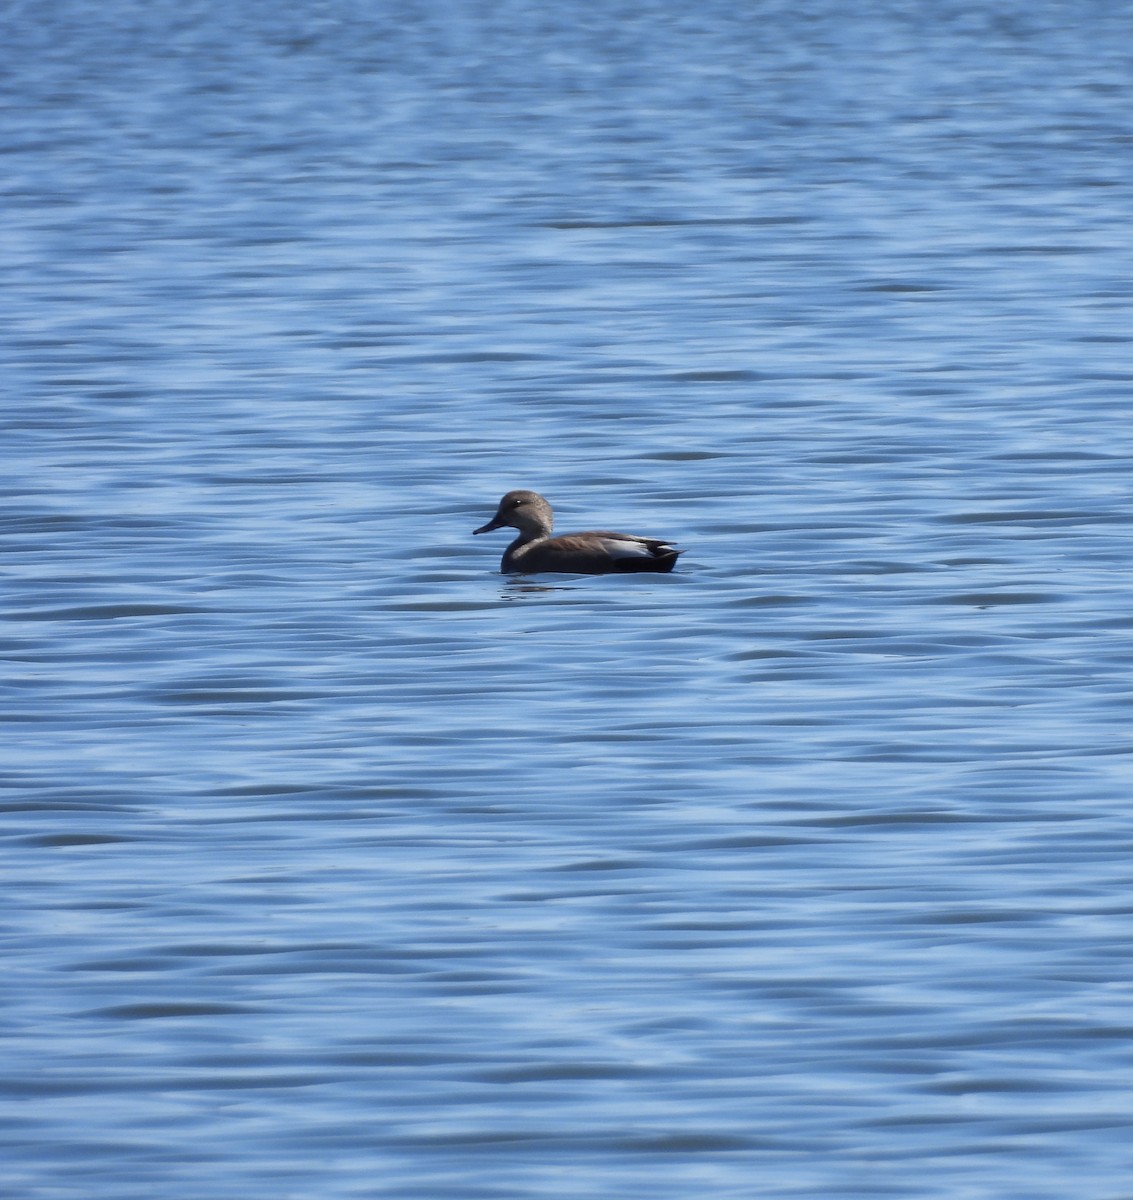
pixel 627 549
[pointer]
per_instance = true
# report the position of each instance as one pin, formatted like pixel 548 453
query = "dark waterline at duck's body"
pixel 597 552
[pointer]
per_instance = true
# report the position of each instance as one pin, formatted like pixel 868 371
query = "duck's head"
pixel 526 511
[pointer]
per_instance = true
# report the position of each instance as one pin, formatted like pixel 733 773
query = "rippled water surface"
pixel 339 865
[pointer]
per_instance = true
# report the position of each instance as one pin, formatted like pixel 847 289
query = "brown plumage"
pixel 598 552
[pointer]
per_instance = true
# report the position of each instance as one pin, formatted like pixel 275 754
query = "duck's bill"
pixel 494 523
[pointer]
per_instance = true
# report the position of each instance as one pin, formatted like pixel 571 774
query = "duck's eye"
pixel 518 503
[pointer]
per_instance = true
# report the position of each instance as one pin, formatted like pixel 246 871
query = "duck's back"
pixel 596 552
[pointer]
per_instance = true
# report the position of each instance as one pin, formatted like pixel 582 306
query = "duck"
pixel 593 553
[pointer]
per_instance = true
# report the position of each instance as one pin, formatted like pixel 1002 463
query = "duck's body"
pixel 599 552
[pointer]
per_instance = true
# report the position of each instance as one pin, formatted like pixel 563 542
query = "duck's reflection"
pixel 518 586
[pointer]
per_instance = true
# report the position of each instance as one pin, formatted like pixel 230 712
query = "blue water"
pixel 338 865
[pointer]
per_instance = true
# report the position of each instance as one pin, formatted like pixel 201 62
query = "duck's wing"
pixel 631 545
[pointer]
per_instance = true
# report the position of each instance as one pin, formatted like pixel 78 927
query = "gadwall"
pixel 595 553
